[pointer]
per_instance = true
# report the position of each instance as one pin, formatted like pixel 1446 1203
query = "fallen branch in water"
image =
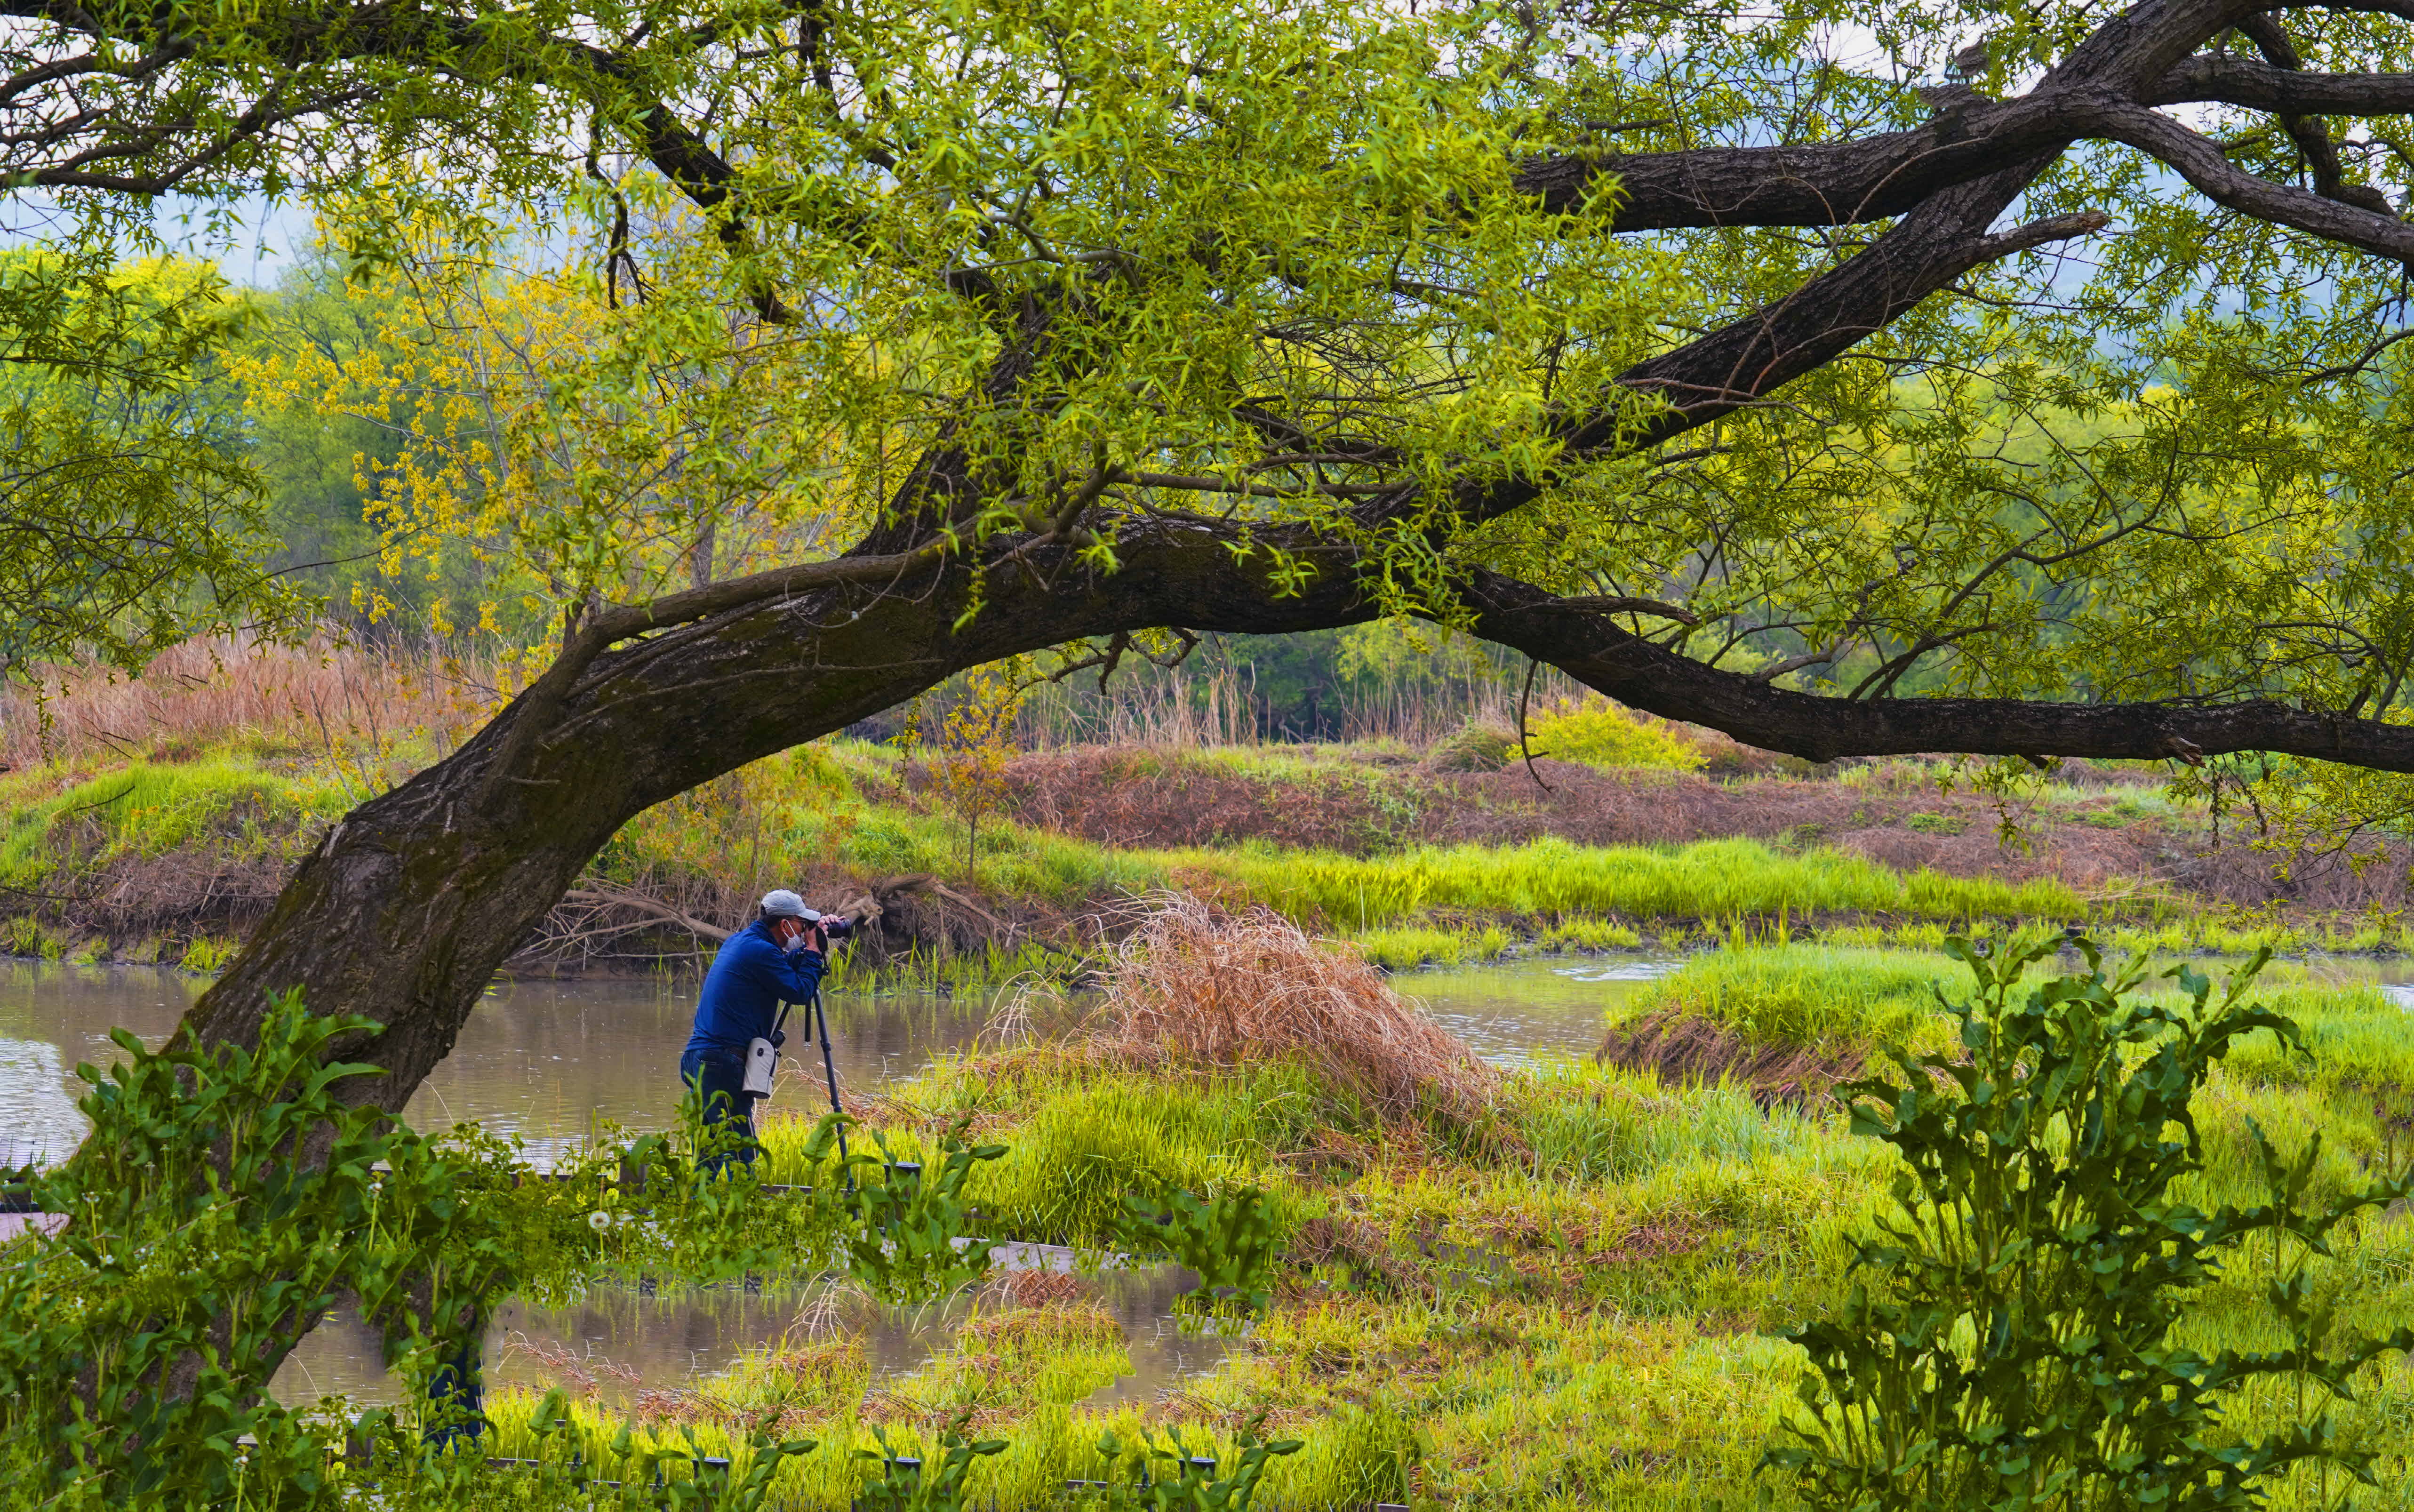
pixel 602 893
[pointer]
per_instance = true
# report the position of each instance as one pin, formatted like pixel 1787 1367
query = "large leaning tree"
pixel 1907 377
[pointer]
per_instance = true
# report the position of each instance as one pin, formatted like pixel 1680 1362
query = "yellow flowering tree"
pixel 581 449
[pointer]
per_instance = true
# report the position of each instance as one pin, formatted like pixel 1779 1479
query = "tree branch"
pixel 1637 673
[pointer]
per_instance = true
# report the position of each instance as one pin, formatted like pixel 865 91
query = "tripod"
pixel 829 1071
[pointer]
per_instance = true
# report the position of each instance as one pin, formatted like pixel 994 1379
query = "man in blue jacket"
pixel 776 959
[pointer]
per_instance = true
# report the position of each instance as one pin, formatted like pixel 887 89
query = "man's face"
pixel 785 929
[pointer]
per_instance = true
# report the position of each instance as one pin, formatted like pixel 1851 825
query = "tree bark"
pixel 1586 645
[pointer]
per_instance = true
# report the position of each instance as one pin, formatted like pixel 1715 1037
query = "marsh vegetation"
pixel 1561 1284
pixel 1187 1027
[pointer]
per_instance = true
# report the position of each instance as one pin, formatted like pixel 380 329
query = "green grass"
pixel 1407 947
pixel 838 802
pixel 1356 1459
pixel 1811 994
pixel 228 804
pixel 1580 1318
pixel 1577 1314
pixel 1085 1136
pixel 1711 879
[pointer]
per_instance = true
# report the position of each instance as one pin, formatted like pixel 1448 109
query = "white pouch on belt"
pixel 761 1061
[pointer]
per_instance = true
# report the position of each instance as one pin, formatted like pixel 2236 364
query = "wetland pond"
pixel 548 1061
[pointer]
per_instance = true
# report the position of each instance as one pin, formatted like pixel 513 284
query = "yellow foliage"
pixel 1604 733
pixel 973 740
pixel 579 449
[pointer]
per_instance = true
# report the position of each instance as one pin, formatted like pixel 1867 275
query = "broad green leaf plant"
pixel 228 1198
pixel 225 1194
pixel 1165 1475
pixel 1230 1240
pixel 912 1483
pixel 910 1238
pixel 2010 1343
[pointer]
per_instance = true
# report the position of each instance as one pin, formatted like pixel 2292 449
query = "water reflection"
pixel 620 1341
pixel 1526 1012
pixel 53 1017
pixel 548 1061
pixel 551 1061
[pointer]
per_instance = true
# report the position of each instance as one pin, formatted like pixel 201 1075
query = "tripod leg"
pixel 829 1070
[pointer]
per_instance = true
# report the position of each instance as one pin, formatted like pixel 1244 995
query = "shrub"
pixel 1477 747
pixel 1602 734
pixel 138 1339
pixel 2013 1347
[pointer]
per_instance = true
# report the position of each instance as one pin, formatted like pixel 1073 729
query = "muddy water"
pixel 548 1061
pixel 545 1061
pixel 618 1340
pixel 1526 1012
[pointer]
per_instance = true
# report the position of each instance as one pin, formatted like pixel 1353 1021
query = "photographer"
pixel 779 958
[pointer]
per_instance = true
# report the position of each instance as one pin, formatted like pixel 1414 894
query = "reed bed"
pixel 1683 1050
pixel 1580 1320
pixel 322 696
pixel 1710 879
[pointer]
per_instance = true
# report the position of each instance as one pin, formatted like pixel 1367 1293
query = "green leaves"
pixel 128 516
pixel 908 1484
pixel 2011 1343
pixel 911 1239
pixel 1153 1475
pixel 1230 1240
pixel 225 1199
pixel 228 1198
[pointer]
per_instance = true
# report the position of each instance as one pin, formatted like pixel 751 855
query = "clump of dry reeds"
pixel 1198 985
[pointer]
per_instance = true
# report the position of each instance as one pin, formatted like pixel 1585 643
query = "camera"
pixel 832 926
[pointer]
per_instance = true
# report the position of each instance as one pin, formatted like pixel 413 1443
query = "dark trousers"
pixel 457 1390
pixel 722 1084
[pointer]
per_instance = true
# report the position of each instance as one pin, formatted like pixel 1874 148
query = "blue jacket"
pixel 751 977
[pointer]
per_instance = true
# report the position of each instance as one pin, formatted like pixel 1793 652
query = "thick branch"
pixel 1818 183
pixel 2200 160
pixel 538 705
pixel 2260 87
pixel 1631 669
pixel 1747 360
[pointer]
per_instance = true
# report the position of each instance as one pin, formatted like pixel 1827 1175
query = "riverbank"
pixel 150 859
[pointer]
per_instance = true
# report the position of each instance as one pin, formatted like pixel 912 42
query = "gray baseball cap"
pixel 781 903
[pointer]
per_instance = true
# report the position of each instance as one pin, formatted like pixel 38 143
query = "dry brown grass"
pixel 320 698
pixel 1684 1049
pixel 1194 984
pixel 1035 1330
pixel 1358 1245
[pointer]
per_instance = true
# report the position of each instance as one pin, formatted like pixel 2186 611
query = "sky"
pixel 272 236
